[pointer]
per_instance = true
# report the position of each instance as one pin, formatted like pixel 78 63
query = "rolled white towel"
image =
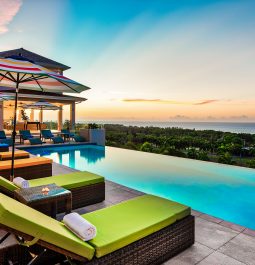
pixel 80 226
pixel 20 182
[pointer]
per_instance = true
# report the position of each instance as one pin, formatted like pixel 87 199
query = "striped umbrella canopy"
pixel 22 73
pixel 41 105
pixel 27 75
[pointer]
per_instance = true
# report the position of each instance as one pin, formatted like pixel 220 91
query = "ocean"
pixel 235 127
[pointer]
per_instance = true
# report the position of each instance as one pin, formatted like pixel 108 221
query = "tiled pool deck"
pixel 217 242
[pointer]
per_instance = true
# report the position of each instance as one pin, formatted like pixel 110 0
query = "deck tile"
pixel 211 234
pixel 190 256
pixel 241 248
pixel 218 258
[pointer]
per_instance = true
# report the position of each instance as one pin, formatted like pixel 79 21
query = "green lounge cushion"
pixel 69 181
pixel 7 184
pixel 127 222
pixel 29 221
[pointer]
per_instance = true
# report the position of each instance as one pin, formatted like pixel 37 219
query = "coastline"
pixel 233 127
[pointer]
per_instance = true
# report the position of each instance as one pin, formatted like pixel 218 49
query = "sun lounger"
pixel 4 139
pixel 47 134
pixel 58 140
pixel 67 133
pixel 87 188
pixel 2 135
pixel 4 147
pixel 28 168
pixel 79 138
pixel 25 135
pixel 19 154
pixel 144 230
pixel 34 141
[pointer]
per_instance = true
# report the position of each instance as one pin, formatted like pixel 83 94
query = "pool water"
pixel 226 192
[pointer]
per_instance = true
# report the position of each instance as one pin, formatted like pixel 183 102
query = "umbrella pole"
pixel 14 127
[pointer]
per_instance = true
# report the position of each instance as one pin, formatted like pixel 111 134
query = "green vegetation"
pixel 216 146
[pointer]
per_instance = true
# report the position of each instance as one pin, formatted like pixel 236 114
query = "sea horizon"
pixel 234 127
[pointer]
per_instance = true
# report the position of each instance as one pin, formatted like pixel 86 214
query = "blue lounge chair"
pixel 58 140
pixel 67 133
pixel 34 141
pixel 47 134
pixel 25 135
pixel 79 138
pixel 2 135
pixel 4 139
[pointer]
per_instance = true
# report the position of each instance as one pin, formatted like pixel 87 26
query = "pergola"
pixel 59 99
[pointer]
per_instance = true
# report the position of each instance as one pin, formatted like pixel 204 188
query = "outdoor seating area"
pixel 28 211
pixel 160 234
pixel 24 137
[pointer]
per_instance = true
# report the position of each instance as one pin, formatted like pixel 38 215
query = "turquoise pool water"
pixel 227 192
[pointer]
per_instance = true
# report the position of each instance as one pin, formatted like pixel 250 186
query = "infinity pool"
pixel 227 192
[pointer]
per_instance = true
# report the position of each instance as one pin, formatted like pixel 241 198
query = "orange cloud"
pixel 206 102
pixel 8 10
pixel 174 102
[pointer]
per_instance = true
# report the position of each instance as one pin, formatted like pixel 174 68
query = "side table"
pixel 46 203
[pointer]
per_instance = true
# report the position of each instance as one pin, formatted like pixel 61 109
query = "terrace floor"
pixel 217 242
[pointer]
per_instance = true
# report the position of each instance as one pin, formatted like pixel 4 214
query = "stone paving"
pixel 217 242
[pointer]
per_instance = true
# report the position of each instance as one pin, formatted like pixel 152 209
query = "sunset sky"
pixel 156 60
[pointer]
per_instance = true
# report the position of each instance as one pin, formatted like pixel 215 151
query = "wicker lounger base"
pixel 81 197
pixel 86 195
pixel 30 172
pixel 151 250
pixel 15 252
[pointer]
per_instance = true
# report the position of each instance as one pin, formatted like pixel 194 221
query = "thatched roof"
pixel 36 58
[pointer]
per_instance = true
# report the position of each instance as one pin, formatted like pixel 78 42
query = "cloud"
pixel 241 117
pixel 206 102
pixel 8 10
pixel 174 102
pixel 180 117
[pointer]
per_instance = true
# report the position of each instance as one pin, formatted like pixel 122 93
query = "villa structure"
pixel 29 96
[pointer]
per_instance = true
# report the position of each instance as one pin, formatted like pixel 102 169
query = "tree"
pixel 192 153
pixel 146 147
pixel 66 124
pixel 226 158
pixel 24 117
pixel 251 163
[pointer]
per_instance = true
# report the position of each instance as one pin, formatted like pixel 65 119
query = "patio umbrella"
pixel 22 73
pixel 41 105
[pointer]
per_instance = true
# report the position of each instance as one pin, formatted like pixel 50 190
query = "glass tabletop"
pixel 43 192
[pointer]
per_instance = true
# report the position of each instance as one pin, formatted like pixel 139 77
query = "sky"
pixel 145 60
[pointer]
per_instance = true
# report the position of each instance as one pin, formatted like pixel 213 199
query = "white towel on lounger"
pixel 80 226
pixel 20 182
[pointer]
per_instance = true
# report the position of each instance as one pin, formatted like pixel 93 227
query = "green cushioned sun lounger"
pixel 87 188
pixel 29 221
pixel 144 230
